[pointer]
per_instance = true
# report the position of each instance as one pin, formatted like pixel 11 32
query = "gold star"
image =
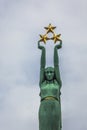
pixel 56 37
pixel 44 38
pixel 50 28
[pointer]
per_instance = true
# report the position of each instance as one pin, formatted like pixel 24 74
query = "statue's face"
pixel 49 73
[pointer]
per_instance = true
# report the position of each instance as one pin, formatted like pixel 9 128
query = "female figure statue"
pixel 50 85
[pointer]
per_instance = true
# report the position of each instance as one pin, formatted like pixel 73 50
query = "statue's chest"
pixel 50 88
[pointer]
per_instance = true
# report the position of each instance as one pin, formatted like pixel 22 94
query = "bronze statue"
pixel 50 85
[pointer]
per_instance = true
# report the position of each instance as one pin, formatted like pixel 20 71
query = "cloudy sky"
pixel 21 22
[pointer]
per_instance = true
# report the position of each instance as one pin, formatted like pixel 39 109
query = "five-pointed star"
pixel 44 38
pixel 50 28
pixel 56 37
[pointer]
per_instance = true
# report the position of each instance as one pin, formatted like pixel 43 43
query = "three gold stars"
pixel 50 29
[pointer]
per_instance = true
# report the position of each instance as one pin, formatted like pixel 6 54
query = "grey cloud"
pixel 21 22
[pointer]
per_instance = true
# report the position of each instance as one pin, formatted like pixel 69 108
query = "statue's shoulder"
pixel 55 81
pixel 43 83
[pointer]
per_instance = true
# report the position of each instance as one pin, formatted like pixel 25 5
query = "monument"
pixel 50 85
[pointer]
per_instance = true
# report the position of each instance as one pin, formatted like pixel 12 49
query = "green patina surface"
pixel 50 85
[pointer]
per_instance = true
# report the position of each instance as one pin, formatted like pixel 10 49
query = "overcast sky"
pixel 21 22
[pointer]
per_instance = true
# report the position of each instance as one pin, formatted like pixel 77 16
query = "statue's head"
pixel 49 73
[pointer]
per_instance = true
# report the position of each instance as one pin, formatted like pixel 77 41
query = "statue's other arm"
pixel 42 63
pixel 56 63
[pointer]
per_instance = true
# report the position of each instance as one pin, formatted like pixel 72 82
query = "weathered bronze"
pixel 50 85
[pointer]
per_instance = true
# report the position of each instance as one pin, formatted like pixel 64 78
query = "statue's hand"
pixel 40 47
pixel 59 45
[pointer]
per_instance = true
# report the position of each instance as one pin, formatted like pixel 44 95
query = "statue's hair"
pixel 49 68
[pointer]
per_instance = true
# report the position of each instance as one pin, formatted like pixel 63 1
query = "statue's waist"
pixel 50 98
pixel 50 93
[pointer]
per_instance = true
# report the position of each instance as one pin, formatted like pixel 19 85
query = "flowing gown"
pixel 49 111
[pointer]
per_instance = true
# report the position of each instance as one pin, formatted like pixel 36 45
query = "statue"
pixel 50 85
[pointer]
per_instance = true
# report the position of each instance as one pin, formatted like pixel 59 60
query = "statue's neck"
pixel 49 82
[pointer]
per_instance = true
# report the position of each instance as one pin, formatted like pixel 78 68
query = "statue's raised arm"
pixel 56 63
pixel 43 62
